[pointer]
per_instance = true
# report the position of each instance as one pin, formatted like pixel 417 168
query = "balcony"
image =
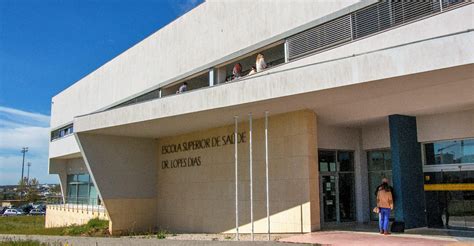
pixel 336 32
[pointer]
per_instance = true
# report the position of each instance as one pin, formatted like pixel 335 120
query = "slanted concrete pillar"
pixel 407 171
pixel 58 166
pixel 124 172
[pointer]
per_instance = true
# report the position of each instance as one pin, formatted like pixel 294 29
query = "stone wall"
pixel 70 214
pixel 196 177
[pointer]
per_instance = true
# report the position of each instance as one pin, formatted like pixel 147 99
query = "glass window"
pixel 71 193
pixel 71 178
pixel 449 152
pixel 83 178
pixel 387 156
pixel 376 161
pixel 327 161
pixel 83 193
pixel 93 195
pixel 80 189
pixel 345 159
pixel 379 160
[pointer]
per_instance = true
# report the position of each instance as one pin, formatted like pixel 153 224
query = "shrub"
pixel 94 227
pixel 161 234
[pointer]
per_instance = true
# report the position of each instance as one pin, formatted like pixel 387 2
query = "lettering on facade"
pixel 198 144
pixel 181 162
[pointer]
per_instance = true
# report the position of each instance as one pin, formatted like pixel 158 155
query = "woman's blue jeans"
pixel 384 216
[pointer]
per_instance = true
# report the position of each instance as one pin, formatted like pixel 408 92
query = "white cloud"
pixel 20 128
pixel 35 138
pixel 23 129
pixel 21 116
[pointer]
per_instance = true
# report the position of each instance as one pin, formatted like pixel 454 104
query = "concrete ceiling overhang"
pixel 438 91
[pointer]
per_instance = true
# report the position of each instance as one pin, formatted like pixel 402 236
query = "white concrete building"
pixel 355 90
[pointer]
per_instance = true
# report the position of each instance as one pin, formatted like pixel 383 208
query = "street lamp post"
pixel 28 173
pixel 23 150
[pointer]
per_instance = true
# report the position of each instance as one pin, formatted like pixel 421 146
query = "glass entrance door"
pixel 337 185
pixel 329 198
pixel 379 167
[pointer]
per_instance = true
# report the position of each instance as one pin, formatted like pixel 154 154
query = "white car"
pixel 37 211
pixel 12 212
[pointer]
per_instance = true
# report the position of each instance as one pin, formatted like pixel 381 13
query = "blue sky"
pixel 47 45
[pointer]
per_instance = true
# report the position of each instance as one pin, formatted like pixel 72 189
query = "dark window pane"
pixel 346 161
pixel 376 160
pixel 388 160
pixel 346 196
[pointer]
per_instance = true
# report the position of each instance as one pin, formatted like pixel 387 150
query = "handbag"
pixel 376 210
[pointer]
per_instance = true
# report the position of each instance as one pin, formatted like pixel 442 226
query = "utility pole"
pixel 23 150
pixel 28 175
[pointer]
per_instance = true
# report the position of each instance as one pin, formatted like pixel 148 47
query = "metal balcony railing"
pixel 79 205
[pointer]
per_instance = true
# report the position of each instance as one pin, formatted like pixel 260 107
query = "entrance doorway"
pixel 336 170
pixel 379 164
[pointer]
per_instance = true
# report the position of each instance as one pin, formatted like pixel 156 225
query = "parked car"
pixel 41 207
pixel 25 208
pixel 12 212
pixel 37 211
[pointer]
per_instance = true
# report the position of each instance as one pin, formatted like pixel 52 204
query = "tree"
pixel 34 182
pixel 22 186
pixel 32 193
pixel 56 189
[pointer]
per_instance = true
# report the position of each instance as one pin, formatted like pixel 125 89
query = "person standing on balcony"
pixel 260 63
pixel 182 88
pixel 237 71
pixel 385 205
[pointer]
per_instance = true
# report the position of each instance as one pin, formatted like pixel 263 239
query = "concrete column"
pixel 407 171
pixel 313 168
pixel 361 182
pixel 211 77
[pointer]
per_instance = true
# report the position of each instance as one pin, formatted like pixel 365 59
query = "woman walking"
pixel 385 205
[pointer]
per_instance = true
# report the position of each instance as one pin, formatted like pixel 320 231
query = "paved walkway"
pixel 420 237
pixel 340 238
pixel 100 241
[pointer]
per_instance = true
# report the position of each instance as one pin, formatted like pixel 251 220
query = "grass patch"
pixel 22 243
pixel 95 227
pixel 29 225
pixel 34 225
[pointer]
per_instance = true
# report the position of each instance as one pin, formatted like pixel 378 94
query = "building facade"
pixel 355 91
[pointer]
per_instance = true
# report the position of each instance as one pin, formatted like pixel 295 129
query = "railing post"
pixel 285 47
pixel 440 5
pixel 251 176
pixel 236 142
pixel 266 174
